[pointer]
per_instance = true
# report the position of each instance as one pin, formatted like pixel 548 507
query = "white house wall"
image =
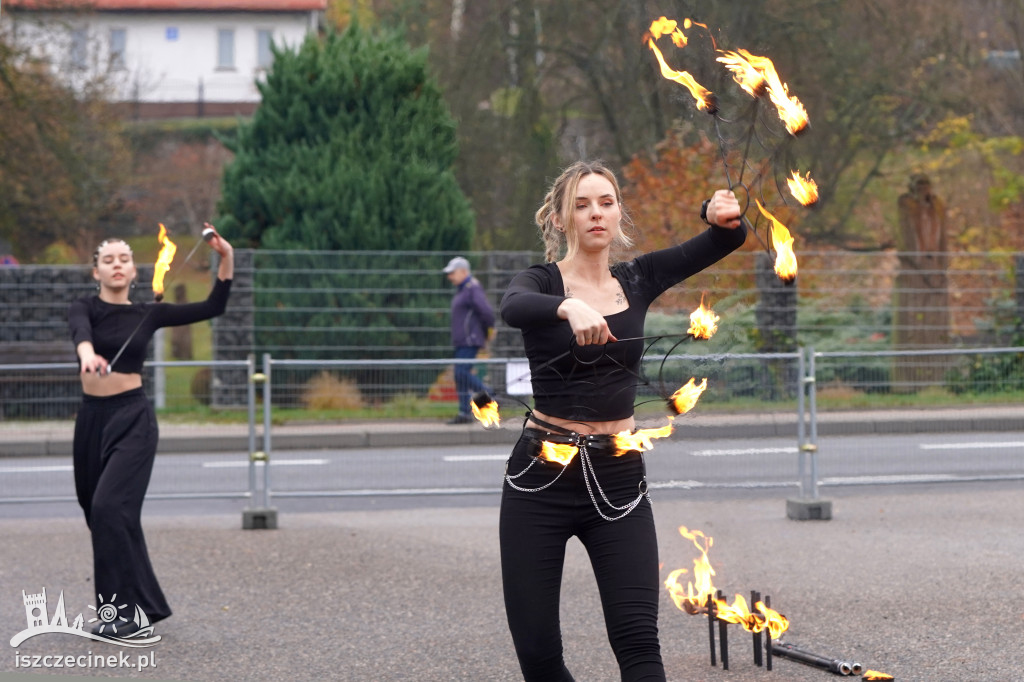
pixel 168 57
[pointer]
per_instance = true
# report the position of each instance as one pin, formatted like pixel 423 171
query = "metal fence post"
pixel 258 517
pixel 801 422
pixel 267 405
pixel 808 506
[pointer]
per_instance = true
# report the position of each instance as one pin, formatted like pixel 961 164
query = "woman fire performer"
pixel 584 304
pixel 116 431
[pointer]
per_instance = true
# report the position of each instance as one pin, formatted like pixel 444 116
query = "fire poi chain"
pixel 757 77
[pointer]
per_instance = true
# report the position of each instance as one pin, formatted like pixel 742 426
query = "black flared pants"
pixel 114 448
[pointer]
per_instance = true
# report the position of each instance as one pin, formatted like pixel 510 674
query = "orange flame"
pixel 875 675
pixel 694 598
pixel 683 400
pixel 668 27
pixel 163 260
pixel 640 439
pixel 765 619
pixel 782 242
pixel 744 73
pixel 703 322
pixel 803 189
pixel 560 453
pixel 744 65
pixel 486 414
pixel 705 99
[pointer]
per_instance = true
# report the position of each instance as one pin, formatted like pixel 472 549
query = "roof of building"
pixel 170 5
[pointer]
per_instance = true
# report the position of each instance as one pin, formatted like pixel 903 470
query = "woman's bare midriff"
pixel 587 428
pixel 104 385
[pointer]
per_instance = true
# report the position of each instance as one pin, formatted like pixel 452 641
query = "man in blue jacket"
pixel 472 322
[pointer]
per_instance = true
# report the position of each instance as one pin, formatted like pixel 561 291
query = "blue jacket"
pixel 472 315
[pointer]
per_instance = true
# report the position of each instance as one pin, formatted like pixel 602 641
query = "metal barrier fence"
pixel 410 399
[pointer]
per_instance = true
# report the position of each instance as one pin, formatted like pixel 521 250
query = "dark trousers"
pixel 114 448
pixel 466 381
pixel 534 528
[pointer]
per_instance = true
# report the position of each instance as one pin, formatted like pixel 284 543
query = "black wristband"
pixel 704 211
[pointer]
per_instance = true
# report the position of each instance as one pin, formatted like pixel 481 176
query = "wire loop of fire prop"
pixel 164 259
pixel 700 597
pixel 757 77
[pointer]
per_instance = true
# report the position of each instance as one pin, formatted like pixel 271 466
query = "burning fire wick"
pixel 163 262
pixel 485 409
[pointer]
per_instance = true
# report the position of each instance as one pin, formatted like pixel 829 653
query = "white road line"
pixel 32 470
pixel 896 478
pixel 744 451
pixel 474 458
pixel 970 446
pixel 273 462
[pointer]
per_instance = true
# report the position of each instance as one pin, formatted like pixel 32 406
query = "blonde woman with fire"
pixel 573 311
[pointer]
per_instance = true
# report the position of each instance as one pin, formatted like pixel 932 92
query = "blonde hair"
pixel 558 204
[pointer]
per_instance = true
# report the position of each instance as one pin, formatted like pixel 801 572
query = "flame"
pixel 560 453
pixel 486 414
pixel 669 27
pixel 744 73
pixel 163 260
pixel 804 190
pixel 875 675
pixel 683 400
pixel 640 439
pixel 703 322
pixel 764 618
pixel 705 98
pixel 695 597
pixel 746 67
pixel 782 242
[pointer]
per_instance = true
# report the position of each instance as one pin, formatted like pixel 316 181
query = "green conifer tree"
pixel 352 148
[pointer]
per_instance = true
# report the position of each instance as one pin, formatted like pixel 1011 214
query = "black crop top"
pixel 598 383
pixel 108 325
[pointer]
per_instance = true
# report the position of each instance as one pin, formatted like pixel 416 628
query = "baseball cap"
pixel 455 264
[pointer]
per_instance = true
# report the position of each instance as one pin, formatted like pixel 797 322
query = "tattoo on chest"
pixel 620 296
pixel 568 291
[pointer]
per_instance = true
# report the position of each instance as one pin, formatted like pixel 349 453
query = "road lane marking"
pixel 474 458
pixel 35 469
pixel 970 446
pixel 273 462
pixel 744 451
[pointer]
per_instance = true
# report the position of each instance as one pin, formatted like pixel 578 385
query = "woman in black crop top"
pixel 580 304
pixel 116 431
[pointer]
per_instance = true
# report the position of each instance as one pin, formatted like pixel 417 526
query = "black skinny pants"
pixel 534 528
pixel 114 448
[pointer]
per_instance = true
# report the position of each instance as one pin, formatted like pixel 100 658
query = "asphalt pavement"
pixel 922 582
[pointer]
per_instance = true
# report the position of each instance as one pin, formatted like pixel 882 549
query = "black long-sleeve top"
pixel 108 325
pixel 598 383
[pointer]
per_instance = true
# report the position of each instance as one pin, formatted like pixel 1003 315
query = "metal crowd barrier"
pixel 789 381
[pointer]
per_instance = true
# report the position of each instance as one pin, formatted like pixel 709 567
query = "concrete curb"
pixel 54 438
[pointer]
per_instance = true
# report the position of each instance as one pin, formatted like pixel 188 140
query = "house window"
pixel 226 48
pixel 118 39
pixel 78 49
pixel 264 57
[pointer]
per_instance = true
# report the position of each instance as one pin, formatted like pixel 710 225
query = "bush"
pixel 326 391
